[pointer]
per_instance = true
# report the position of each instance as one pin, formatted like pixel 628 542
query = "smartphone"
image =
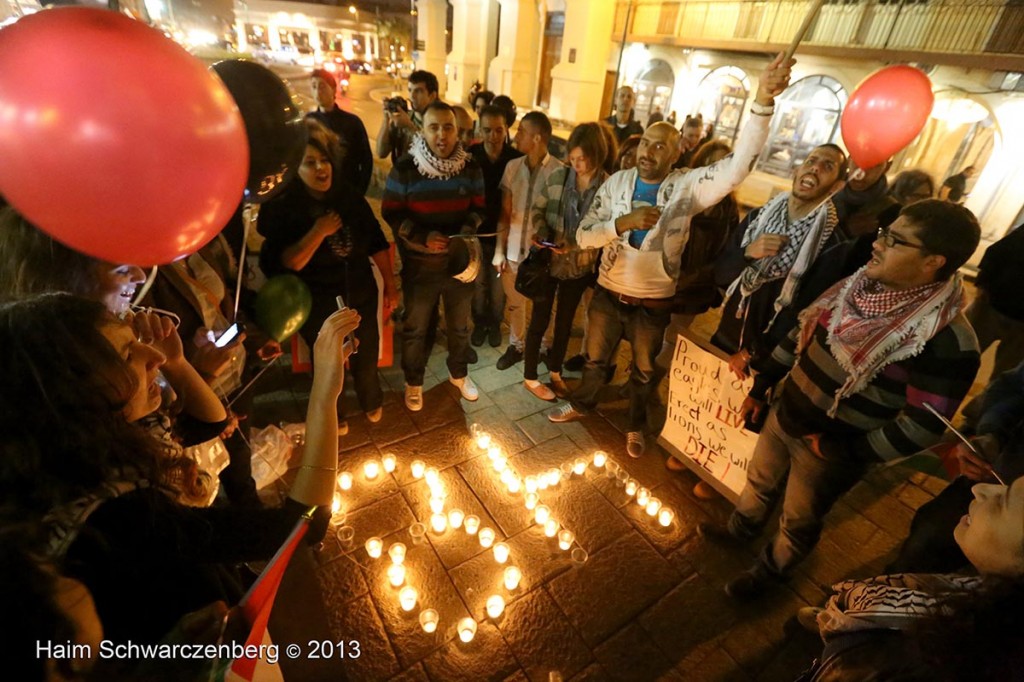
pixel 549 244
pixel 229 335
pixel 350 340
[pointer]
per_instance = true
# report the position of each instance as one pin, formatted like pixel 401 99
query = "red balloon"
pixel 114 139
pixel 886 112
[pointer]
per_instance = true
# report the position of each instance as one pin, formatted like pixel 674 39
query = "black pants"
pixel 930 547
pixel 423 285
pixel 568 293
pixel 488 294
pixel 362 366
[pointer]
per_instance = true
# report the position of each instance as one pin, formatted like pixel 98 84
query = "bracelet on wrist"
pixel 759 109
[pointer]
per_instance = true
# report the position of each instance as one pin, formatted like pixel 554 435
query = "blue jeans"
pixel 423 285
pixel 610 321
pixel 812 485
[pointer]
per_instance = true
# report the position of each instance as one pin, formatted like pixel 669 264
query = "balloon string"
pixel 145 287
pixel 249 215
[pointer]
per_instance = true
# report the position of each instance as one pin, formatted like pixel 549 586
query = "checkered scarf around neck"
pixel 432 167
pixel 806 237
pixel 871 327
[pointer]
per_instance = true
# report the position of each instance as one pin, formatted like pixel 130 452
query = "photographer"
pixel 400 124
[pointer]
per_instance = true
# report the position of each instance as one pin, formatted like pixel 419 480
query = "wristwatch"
pixel 762 110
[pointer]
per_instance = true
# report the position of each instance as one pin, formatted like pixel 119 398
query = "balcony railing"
pixel 951 27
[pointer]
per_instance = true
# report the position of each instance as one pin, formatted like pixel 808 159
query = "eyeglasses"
pixel 891 240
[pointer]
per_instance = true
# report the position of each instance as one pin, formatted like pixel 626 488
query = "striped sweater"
pixel 886 420
pixel 415 205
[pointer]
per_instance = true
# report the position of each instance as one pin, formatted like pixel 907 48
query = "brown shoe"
pixel 673 464
pixel 703 491
pixel 560 388
pixel 540 390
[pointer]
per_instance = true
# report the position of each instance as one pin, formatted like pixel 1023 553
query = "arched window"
pixel 653 89
pixel 723 95
pixel 806 115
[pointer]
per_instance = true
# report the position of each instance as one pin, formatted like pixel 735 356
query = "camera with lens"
pixel 396 104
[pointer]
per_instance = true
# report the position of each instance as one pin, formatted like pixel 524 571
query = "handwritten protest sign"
pixel 704 428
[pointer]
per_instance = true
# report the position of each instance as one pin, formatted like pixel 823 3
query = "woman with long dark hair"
pixel 324 231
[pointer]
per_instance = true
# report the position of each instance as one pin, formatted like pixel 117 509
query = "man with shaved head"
pixel 641 218
pixel 623 122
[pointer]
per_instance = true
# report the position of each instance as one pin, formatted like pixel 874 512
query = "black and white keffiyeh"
pixel 432 167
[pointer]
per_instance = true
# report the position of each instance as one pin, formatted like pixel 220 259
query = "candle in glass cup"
pixel 407 598
pixel 653 505
pixel 432 475
pixel 555 476
pixel 541 514
pixel 631 486
pixel 565 468
pixel 501 552
pixel 345 480
pixel 531 500
pixel 665 516
pixel 643 496
pixel 530 484
pixel 565 539
pixel 495 605
pixel 455 518
pixel 514 485
pixel 486 537
pixel 493 452
pixel 389 461
pixel 600 458
pixel 374 546
pixel 371 469
pixel 483 441
pixel 428 620
pixel 507 475
pixel 438 522
pixel 396 574
pixel 512 577
pixel 336 504
pixel 500 463
pixel 579 466
pixel 551 528
pixel 397 553
pixel 436 504
pixel 542 482
pixel 467 629
pixel 418 468
pixel 472 524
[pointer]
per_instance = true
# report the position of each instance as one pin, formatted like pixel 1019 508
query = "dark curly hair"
pixel 63 391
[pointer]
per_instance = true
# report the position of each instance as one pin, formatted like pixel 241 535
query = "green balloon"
pixel 282 306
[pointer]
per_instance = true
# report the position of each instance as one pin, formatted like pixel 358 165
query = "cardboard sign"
pixel 703 428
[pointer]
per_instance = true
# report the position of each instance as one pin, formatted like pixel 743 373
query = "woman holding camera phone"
pixel 322 230
pixel 556 215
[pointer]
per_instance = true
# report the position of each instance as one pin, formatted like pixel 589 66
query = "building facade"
pixel 275 25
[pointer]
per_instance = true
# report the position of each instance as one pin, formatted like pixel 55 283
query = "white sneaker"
pixel 466 387
pixel 414 398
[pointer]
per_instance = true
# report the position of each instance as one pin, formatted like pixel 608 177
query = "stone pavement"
pixel 648 604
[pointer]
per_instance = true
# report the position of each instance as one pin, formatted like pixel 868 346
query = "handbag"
pixel 533 278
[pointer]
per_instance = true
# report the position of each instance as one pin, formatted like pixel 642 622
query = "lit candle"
pixel 472 524
pixel 643 495
pixel 495 605
pixel 554 475
pixel 455 517
pixel 512 577
pixel 336 504
pixel 665 516
pixel 493 452
pixel 374 547
pixel 550 528
pixel 345 480
pixel 371 469
pixel 418 467
pixel 541 514
pixel 397 553
pixel 579 466
pixel 500 463
pixel 514 485
pixel 407 598
pixel 501 552
pixel 600 457
pixel 483 441
pixel 428 620
pixel 432 475
pixel 486 537
pixel 653 505
pixel 531 500
pixel 631 487
pixel 467 629
pixel 565 539
pixel 566 468
pixel 507 475
pixel 396 574
pixel 436 505
pixel 389 462
pixel 438 522
pixel 542 482
pixel 475 430
pixel 530 484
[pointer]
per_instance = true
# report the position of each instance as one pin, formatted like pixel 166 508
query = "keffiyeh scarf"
pixel 432 167
pixel 871 327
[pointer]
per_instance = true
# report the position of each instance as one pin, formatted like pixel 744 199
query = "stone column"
pixel 241 37
pixel 514 71
pixel 430 28
pixel 577 81
pixel 474 24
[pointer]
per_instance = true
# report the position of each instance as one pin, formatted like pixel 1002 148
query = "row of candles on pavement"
pixel 456 518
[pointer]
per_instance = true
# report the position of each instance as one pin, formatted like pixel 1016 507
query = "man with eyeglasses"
pixel 862 366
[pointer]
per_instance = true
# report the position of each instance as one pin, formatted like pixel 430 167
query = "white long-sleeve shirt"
pixel 652 270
